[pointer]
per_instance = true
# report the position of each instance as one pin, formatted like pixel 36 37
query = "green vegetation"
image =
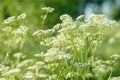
pixel 33 10
pixel 68 51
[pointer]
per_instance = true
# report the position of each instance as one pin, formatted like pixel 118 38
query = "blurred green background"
pixel 111 8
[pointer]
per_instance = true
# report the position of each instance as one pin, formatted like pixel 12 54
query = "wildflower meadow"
pixel 74 49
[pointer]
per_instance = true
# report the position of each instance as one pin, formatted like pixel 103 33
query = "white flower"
pixel 20 30
pixel 80 17
pixel 115 56
pixel 57 26
pixel 78 41
pixel 88 34
pixel 13 71
pixel 97 17
pixel 8 28
pixel 66 18
pixel 22 16
pixel 100 69
pixel 52 54
pixel 18 55
pixel 71 74
pixel 24 28
pixel 43 75
pixel 48 9
pixel 54 76
pixel 39 55
pixel 9 20
pixel 38 32
pixel 79 65
pixel 39 63
pixel 95 41
pixel 52 66
pixel 4 68
pixel 28 75
pixel 25 63
pixel 64 56
pixel 88 75
pixel 32 67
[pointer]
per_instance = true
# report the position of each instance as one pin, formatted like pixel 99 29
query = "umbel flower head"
pixel 21 16
pixel 66 18
pixel 48 9
pixel 9 20
pixel 13 71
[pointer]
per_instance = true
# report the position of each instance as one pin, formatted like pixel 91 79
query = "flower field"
pixel 74 49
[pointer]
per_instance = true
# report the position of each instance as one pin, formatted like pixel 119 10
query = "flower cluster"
pixel 65 52
pixel 48 9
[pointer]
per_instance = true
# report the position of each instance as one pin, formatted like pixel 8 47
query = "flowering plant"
pixel 65 52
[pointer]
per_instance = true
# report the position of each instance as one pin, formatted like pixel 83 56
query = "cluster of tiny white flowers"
pixel 13 18
pixel 64 56
pixel 66 18
pixel 54 76
pixel 43 76
pixel 51 54
pixel 43 32
pixel 18 55
pixel 8 28
pixel 38 55
pixel 21 16
pixel 28 75
pixel 48 9
pixel 80 17
pixel 9 20
pixel 71 74
pixel 65 52
pixel 25 63
pixel 115 56
pixel 21 30
pixel 13 71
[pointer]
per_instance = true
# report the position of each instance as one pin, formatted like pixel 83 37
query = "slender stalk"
pixel 44 18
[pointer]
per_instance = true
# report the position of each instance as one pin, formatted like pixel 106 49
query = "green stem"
pixel 110 75
pixel 84 78
pixel 44 18
pixel 86 54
